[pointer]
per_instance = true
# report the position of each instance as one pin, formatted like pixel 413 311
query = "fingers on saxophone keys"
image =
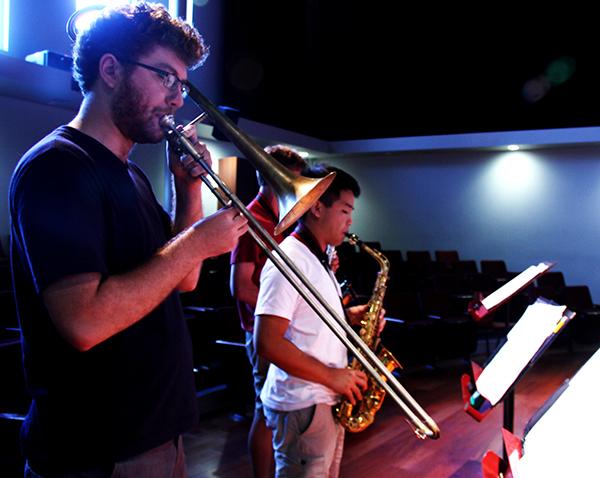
pixel 362 379
pixel 355 394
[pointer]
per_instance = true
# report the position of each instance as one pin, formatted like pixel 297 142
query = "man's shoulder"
pixel 55 146
pixel 297 252
pixel 264 216
pixel 294 244
pixel 54 163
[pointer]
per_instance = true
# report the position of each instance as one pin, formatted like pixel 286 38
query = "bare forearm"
pixel 88 310
pixel 248 296
pixel 188 206
pixel 242 286
pixel 138 292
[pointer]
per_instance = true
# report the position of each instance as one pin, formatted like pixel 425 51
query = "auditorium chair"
pixel 495 269
pixel 551 285
pixel 419 266
pixel 457 337
pixel 445 260
pixel 221 370
pixel 412 338
pixel 418 257
pixel 586 325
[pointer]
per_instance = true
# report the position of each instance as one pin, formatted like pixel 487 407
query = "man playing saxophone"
pixel 247 261
pixel 308 371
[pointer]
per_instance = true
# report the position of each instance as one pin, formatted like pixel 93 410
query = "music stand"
pixel 526 341
pixel 560 439
pixel 480 308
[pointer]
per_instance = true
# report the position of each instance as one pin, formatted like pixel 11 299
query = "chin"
pixel 148 136
pixel 338 241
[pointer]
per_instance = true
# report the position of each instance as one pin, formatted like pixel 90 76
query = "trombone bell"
pixel 296 195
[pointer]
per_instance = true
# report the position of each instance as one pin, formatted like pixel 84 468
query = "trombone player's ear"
pixel 110 70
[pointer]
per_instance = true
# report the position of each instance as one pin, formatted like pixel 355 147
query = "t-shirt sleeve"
pixel 58 217
pixel 245 251
pixel 276 295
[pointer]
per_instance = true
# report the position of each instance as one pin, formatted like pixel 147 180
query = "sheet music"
pixel 564 441
pixel 539 322
pixel 514 285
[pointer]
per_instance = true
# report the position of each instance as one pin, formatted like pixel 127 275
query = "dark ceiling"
pixel 339 70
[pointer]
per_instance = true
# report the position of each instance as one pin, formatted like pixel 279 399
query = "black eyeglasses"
pixel 169 80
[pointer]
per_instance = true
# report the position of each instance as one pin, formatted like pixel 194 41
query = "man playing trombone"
pixel 98 264
pixel 308 371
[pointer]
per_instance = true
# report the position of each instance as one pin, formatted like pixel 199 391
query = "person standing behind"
pixel 247 261
pixel 308 371
pixel 97 263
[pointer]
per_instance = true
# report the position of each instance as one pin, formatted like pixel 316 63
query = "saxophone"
pixel 355 418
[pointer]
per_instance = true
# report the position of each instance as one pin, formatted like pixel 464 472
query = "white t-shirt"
pixel 306 331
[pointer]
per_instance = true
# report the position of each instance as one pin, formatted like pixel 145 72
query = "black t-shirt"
pixel 76 208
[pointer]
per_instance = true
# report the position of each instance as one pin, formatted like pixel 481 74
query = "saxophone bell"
pixel 356 418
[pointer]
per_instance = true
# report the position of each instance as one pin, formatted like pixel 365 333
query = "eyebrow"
pixel 169 69
pixel 349 205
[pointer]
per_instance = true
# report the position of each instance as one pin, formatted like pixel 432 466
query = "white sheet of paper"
pixel 526 337
pixel 564 441
pixel 514 285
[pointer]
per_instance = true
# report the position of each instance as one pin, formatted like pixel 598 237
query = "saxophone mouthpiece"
pixel 353 239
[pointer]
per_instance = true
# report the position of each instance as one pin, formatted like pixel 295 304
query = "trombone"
pixel 295 196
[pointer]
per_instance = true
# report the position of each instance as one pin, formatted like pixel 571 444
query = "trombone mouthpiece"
pixel 167 122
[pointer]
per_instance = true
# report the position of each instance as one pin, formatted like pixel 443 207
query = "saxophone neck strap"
pixel 303 234
pixel 306 237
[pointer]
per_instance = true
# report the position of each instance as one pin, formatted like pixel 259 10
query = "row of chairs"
pixel 425 292
pixel 423 287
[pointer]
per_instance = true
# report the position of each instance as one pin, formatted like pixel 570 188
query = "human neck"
pixel 94 119
pixel 317 231
pixel 270 197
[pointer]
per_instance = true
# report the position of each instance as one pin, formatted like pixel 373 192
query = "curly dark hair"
pixel 128 32
pixel 290 158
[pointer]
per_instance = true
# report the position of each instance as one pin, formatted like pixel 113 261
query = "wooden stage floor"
pixel 389 447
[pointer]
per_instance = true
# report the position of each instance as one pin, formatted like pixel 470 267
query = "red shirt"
pixel 248 251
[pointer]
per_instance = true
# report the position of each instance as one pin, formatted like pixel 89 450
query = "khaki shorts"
pixel 307 442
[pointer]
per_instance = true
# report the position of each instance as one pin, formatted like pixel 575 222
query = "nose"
pixel 175 99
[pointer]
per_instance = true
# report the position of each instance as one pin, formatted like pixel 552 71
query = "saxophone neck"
pixel 384 264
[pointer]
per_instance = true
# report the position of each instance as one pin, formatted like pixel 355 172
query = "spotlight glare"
pixel 513 147
pixel 82 18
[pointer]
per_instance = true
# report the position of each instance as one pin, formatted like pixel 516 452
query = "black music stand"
pixel 560 438
pixel 527 340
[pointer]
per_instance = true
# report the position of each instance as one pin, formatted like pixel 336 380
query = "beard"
pixel 132 116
